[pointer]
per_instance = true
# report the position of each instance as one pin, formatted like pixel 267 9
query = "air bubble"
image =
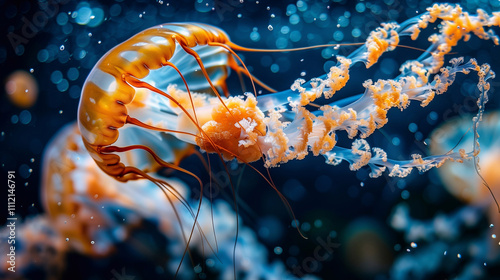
pixel 278 250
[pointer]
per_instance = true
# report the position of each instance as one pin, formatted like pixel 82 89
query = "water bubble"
pixel 405 194
pixel 413 245
pixel 318 223
pixel 278 250
pixel 210 262
pixel 92 242
pixel 270 27
pixel 67 239
pixel 493 236
pixel 197 269
pixel 459 256
pixel 275 68
pixel 61 48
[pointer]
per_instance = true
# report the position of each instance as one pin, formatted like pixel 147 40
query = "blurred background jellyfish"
pixel 22 89
pixel 98 216
pixel 441 239
pixel 461 180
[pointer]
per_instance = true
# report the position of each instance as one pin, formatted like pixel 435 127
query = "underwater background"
pixel 356 215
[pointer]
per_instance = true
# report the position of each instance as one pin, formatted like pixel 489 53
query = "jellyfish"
pixel 75 192
pixel 21 89
pixel 458 180
pixel 456 177
pixel 171 80
pixel 94 213
pixel 444 238
pixel 145 88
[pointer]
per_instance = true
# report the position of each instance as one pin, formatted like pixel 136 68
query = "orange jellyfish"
pixel 144 89
pixel 94 213
pixel 21 89
pixel 461 180
pixel 446 237
pixel 75 193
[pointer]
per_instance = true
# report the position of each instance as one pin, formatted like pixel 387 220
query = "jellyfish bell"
pixel 22 89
